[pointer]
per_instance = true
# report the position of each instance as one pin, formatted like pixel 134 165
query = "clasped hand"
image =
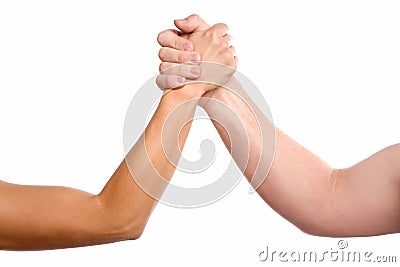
pixel 197 53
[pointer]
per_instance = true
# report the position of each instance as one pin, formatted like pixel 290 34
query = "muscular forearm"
pixel 42 217
pixel 301 187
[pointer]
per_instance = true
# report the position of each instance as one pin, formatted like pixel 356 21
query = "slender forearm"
pixel 151 161
pixel 42 217
pixel 304 189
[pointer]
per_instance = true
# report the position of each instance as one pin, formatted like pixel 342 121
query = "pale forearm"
pixel 297 180
pixel 246 131
pixel 304 189
pixel 361 200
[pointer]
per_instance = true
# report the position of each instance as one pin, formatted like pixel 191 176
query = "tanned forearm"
pixel 37 217
pixel 45 217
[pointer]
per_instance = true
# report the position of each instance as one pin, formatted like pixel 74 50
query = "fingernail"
pixel 187 47
pixel 180 80
pixel 195 70
pixel 181 20
pixel 195 57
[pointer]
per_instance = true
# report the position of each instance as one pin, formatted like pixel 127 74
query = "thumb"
pixel 192 23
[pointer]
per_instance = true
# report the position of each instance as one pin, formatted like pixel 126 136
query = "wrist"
pixel 222 94
pixel 188 92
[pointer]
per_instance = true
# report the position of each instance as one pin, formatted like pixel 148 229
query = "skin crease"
pixel 315 197
pixel 48 217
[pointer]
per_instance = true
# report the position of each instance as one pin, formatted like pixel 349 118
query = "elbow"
pixel 324 224
pixel 317 230
pixel 122 229
pixel 117 225
pixel 133 232
pixel 322 220
pixel 323 231
pixel 314 223
pixel 125 228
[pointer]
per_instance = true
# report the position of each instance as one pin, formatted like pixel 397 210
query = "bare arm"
pixel 362 200
pixel 44 217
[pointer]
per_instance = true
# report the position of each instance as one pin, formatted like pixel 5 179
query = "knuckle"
pixel 182 57
pixel 160 36
pixel 176 70
pixel 163 66
pixel 195 17
pixel 161 53
pixel 175 43
pixel 224 42
pixel 159 82
pixel 224 26
pixel 181 70
pixel 213 36
pixel 184 71
pixel 170 81
pixel 228 38
pixel 228 56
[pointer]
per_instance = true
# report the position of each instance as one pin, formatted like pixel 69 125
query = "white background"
pixel 69 69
